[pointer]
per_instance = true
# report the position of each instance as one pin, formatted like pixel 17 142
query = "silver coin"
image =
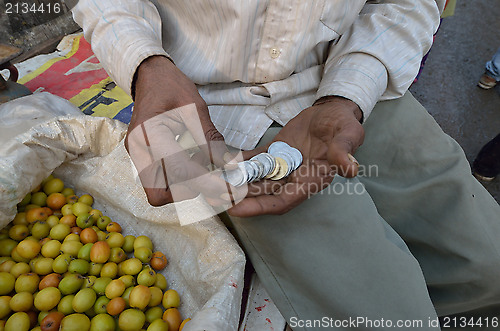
pixel 251 173
pixel 260 167
pixel 296 155
pixel 256 171
pixel 267 162
pixel 236 177
pixel 277 146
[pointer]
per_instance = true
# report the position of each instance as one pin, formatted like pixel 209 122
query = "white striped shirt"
pixel 259 61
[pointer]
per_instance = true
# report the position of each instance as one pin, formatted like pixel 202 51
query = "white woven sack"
pixel 42 133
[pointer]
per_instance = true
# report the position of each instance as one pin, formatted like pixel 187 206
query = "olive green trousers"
pixel 414 236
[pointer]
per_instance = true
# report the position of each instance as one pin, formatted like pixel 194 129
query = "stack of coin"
pixel 279 162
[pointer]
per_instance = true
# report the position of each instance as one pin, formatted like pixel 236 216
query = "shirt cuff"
pixel 358 77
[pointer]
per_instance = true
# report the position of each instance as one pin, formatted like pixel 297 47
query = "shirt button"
pixel 274 52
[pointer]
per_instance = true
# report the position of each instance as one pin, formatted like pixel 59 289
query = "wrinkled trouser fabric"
pixel 423 229
pixel 493 66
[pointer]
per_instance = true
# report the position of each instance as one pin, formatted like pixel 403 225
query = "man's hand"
pixel 327 134
pixel 167 104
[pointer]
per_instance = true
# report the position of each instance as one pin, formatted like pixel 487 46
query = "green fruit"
pixel 84 220
pixel 27 283
pixel 153 314
pixel 4 306
pixel 72 237
pixel 156 296
pixel 61 263
pixel 102 322
pixel 40 230
pixel 51 248
pixel 7 282
pixel 144 254
pixel 6 265
pixel 100 305
pixel 90 313
pixel 84 300
pixel 20 268
pixel 128 280
pixel 109 269
pixel 161 281
pixel 71 247
pixel 143 241
pixel 140 297
pixel 128 244
pixel 103 221
pixel 75 322
pixel 84 252
pixel 117 255
pixel 49 178
pixel 96 214
pixel 146 277
pixel 132 266
pixel 33 262
pixel 28 248
pixel 115 239
pixel 19 321
pixel 114 289
pixel 65 306
pixel 100 285
pixel 71 283
pixel 22 301
pixel 67 209
pixel 19 232
pixel 89 281
pixel 78 266
pixel 67 191
pixel 59 231
pixel 86 199
pixel 171 299
pixel 101 235
pixel 47 298
pixel 95 269
pixel 43 266
pixel 25 201
pixel 79 208
pixel 6 246
pixel 131 320
pixel 52 221
pixel 158 325
pixel 54 185
pixel 18 258
pixel 126 295
pixel 120 270
pixel 39 199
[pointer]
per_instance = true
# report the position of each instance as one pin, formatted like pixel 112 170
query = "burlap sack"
pixel 42 133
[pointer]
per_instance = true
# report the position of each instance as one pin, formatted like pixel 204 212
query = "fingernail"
pixel 352 159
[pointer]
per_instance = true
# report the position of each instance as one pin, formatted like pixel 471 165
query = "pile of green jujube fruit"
pixel 66 266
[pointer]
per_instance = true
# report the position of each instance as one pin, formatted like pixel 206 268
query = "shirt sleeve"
pixel 122 34
pixel 378 57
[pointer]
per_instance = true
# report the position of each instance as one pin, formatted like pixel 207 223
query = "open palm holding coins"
pixel 279 162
